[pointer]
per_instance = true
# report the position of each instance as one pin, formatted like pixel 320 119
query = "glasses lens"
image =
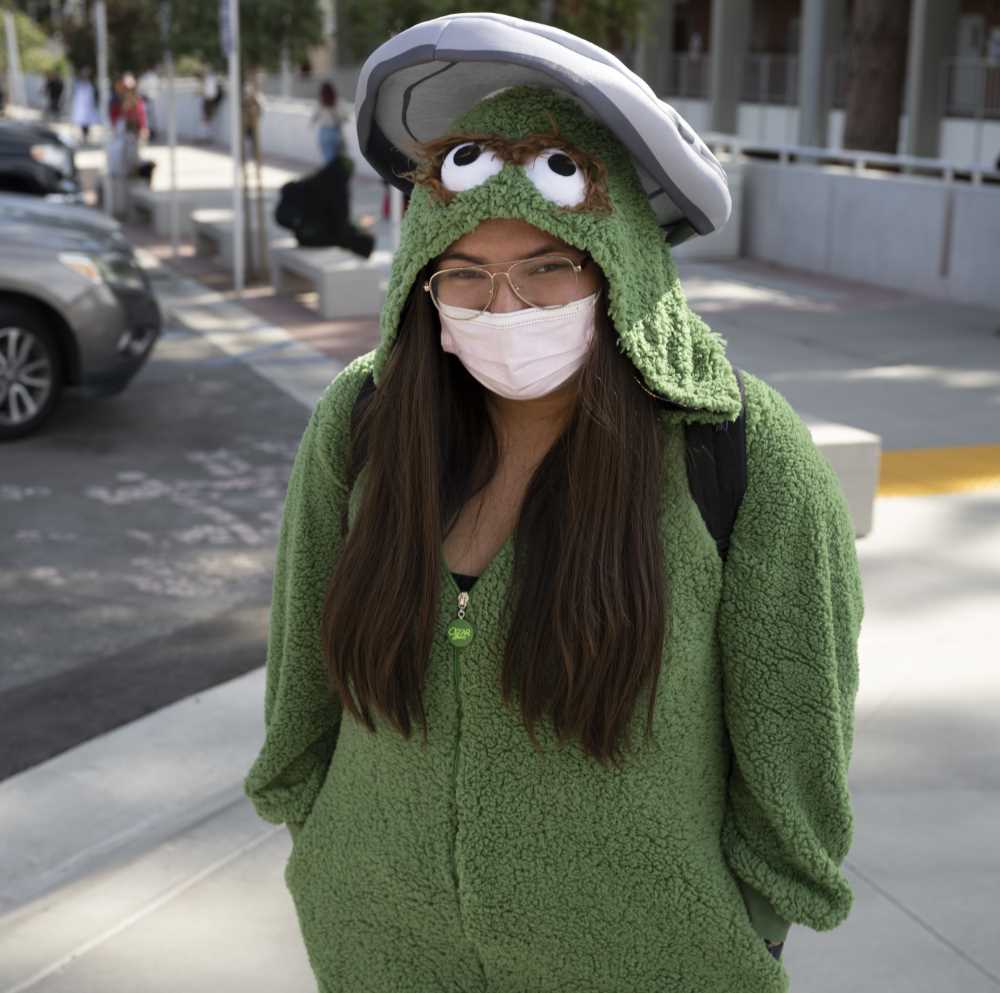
pixel 463 289
pixel 547 282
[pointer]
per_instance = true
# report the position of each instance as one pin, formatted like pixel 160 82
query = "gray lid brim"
pixel 415 84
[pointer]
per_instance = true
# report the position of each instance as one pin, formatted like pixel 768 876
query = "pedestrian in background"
pixel 84 112
pixel 127 114
pixel 329 116
pixel 53 94
pixel 211 96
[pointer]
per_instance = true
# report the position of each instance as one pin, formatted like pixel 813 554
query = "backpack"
pixel 716 460
pixel 317 210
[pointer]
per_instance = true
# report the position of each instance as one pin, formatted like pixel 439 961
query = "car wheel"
pixel 30 371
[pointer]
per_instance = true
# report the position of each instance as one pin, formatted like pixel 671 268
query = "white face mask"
pixel 522 354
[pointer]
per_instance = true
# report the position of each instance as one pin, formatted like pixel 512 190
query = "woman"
pixel 212 95
pixel 632 766
pixel 84 112
pixel 129 126
pixel 329 116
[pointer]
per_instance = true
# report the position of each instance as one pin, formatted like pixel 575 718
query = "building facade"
pixel 775 71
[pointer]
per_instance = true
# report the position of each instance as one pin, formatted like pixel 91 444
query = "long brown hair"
pixel 589 595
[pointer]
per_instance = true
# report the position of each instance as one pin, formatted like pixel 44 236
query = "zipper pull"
pixel 460 631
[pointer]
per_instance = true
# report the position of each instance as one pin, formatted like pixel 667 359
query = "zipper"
pixel 463 602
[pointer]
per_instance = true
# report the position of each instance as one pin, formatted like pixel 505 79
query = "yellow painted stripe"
pixel 917 471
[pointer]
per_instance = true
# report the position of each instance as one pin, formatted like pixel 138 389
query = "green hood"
pixel 675 352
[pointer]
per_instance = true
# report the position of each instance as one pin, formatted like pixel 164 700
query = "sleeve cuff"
pixel 764 918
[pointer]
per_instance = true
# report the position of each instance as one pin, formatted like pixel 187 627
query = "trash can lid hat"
pixel 415 84
pixel 533 151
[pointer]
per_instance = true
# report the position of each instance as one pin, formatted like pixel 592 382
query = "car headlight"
pixel 82 265
pixel 53 156
pixel 118 271
pixel 121 272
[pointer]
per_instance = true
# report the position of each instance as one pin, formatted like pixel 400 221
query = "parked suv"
pixel 76 309
pixel 35 160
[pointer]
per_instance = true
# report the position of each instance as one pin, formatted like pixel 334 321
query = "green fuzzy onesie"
pixel 476 865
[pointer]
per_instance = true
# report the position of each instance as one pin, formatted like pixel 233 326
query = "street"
pixel 156 582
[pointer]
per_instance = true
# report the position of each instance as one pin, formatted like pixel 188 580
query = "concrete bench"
pixel 153 206
pixel 213 234
pixel 855 456
pixel 348 285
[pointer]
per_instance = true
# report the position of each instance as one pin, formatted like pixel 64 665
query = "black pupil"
pixel 467 154
pixel 562 164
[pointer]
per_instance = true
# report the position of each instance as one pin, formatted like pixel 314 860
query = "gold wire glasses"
pixel 545 281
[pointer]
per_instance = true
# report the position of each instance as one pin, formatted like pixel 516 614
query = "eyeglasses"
pixel 546 281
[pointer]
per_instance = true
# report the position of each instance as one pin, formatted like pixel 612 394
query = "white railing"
pixel 770 78
pixel 859 161
pixel 690 76
pixel 971 88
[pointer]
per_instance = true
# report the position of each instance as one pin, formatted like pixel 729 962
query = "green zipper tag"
pixel 460 631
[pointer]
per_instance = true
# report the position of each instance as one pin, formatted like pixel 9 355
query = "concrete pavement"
pixel 133 862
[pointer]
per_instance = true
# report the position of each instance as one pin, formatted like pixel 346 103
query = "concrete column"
pixel 933 24
pixel 730 35
pixel 819 39
pixel 656 48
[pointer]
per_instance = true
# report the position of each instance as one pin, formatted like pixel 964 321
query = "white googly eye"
pixel 557 177
pixel 468 165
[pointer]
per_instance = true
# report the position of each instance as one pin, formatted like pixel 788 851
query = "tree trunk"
pixel 262 240
pixel 248 264
pixel 876 71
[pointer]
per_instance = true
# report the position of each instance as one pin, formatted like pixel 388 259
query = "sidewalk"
pixel 134 862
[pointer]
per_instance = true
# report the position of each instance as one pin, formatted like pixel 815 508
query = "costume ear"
pixel 557 177
pixel 468 165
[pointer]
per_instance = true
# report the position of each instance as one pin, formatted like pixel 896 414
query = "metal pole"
pixel 175 219
pixel 977 147
pixel 166 30
pixel 236 143
pixel 104 93
pixel 765 91
pixel 15 78
pixel 330 32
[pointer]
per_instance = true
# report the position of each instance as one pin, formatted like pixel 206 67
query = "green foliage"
pixel 133 37
pixel 189 65
pixel 31 46
pixel 266 26
pixel 42 60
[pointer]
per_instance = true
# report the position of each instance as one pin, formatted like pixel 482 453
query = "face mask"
pixel 522 354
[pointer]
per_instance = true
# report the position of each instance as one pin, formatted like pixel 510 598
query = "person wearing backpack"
pixel 317 209
pixel 562 657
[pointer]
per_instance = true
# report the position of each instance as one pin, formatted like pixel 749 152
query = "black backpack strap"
pixel 361 401
pixel 716 464
pixel 717 471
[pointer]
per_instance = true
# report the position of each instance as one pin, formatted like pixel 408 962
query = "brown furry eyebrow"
pixel 431 154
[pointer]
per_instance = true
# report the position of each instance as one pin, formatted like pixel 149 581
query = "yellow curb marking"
pixel 920 471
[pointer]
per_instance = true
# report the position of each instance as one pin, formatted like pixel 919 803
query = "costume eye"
pixel 468 165
pixel 557 177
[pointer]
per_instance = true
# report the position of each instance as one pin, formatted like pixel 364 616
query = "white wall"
pixel 895 231
pixel 965 142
